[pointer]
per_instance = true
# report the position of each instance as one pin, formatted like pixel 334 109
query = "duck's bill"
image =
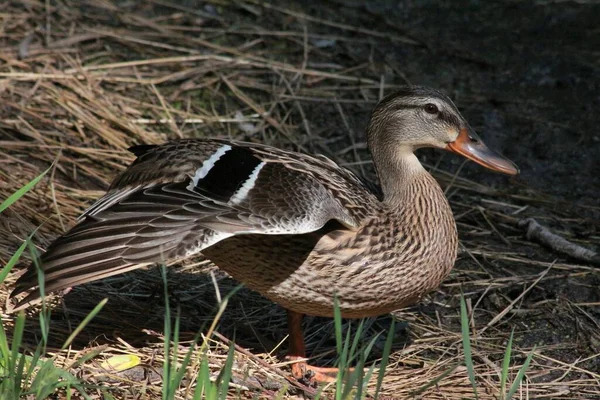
pixel 469 145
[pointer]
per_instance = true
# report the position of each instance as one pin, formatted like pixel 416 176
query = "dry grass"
pixel 80 84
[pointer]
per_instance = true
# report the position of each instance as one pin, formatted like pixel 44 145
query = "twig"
pixel 542 235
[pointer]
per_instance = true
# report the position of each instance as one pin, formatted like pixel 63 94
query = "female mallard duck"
pixel 296 228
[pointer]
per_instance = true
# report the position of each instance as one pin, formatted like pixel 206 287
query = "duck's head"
pixel 416 117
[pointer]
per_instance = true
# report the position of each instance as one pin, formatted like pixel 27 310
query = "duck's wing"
pixel 178 198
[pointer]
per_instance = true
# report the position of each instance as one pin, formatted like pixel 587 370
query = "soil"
pixel 525 74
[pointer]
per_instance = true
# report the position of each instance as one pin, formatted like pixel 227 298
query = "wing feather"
pixel 173 206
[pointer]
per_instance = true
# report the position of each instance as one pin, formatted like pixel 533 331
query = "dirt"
pixel 525 74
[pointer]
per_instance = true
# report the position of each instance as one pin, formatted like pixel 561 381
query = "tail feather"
pixel 57 269
pixel 97 249
pixel 102 270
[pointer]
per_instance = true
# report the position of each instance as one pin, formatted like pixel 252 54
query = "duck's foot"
pixel 305 373
pixel 311 375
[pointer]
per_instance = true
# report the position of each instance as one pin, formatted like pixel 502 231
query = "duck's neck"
pixel 398 172
pixel 423 236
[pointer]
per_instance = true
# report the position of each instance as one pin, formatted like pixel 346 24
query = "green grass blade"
pixel 49 378
pixel 13 260
pixel 203 380
pixel 366 379
pixel 387 350
pixel 343 361
pixel 167 335
pixel 345 356
pixel 354 378
pixel 339 344
pixel 4 348
pixel 186 361
pixel 45 381
pixel 8 359
pixel 464 318
pixel 21 192
pixel 506 365
pixel 173 383
pixel 44 318
pixel 20 375
pixel 337 320
pixel 11 362
pixel 359 372
pixel 84 323
pixel 33 362
pixel 520 375
pixel 16 341
pixel 225 375
pixel 44 315
pixel 357 336
pixel 357 376
pixel 15 257
pixel 5 352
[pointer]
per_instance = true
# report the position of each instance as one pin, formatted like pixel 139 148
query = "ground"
pixel 80 82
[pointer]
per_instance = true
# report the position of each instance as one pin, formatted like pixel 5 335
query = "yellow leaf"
pixel 121 363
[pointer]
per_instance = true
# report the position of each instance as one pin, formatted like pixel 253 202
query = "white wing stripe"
pixel 207 165
pixel 241 194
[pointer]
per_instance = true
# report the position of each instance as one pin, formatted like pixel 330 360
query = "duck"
pixel 299 229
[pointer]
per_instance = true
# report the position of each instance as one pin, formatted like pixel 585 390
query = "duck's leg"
pixel 297 351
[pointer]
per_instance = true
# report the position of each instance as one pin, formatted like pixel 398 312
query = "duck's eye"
pixel 431 108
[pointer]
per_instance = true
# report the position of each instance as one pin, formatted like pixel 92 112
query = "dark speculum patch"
pixel 229 172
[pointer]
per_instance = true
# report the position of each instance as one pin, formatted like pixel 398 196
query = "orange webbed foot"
pixel 310 374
